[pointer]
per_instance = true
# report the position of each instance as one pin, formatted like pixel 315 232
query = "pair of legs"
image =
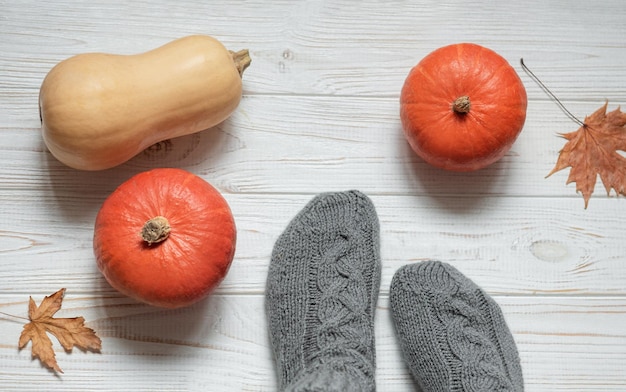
pixel 321 295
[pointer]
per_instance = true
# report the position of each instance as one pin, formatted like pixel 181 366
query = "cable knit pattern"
pixel 453 335
pixel 321 295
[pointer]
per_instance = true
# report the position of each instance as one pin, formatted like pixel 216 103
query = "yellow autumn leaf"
pixel 70 332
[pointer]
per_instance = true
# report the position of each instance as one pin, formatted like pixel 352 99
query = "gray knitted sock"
pixel 321 294
pixel 452 334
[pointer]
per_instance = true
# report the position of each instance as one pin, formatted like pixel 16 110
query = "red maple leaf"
pixel 592 150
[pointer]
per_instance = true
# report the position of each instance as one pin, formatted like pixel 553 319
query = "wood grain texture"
pixel 320 113
pixel 222 344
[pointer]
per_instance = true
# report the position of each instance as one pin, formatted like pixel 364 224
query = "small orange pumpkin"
pixel 462 107
pixel 165 237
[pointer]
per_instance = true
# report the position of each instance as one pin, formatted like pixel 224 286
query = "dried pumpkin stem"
pixel 461 104
pixel 242 60
pixel 156 230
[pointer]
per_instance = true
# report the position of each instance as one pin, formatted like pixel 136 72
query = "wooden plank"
pixel 333 48
pixel 510 245
pixel 565 343
pixel 319 144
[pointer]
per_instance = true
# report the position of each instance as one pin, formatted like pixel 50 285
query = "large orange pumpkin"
pixel 462 107
pixel 165 237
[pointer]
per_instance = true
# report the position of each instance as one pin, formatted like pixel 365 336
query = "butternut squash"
pixel 99 110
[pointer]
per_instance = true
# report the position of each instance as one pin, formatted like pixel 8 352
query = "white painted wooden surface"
pixel 320 113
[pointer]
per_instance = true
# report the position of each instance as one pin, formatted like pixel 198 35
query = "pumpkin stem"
pixel 242 60
pixel 156 230
pixel 461 104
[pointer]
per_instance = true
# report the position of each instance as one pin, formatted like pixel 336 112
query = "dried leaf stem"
pixel 551 94
pixel 14 316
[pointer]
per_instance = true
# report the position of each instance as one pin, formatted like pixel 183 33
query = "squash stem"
pixel 156 230
pixel 242 60
pixel 462 105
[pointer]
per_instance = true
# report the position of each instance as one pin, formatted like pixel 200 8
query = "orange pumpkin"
pixel 165 237
pixel 462 107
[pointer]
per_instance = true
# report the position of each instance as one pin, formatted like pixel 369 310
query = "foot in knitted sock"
pixel 452 334
pixel 321 294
